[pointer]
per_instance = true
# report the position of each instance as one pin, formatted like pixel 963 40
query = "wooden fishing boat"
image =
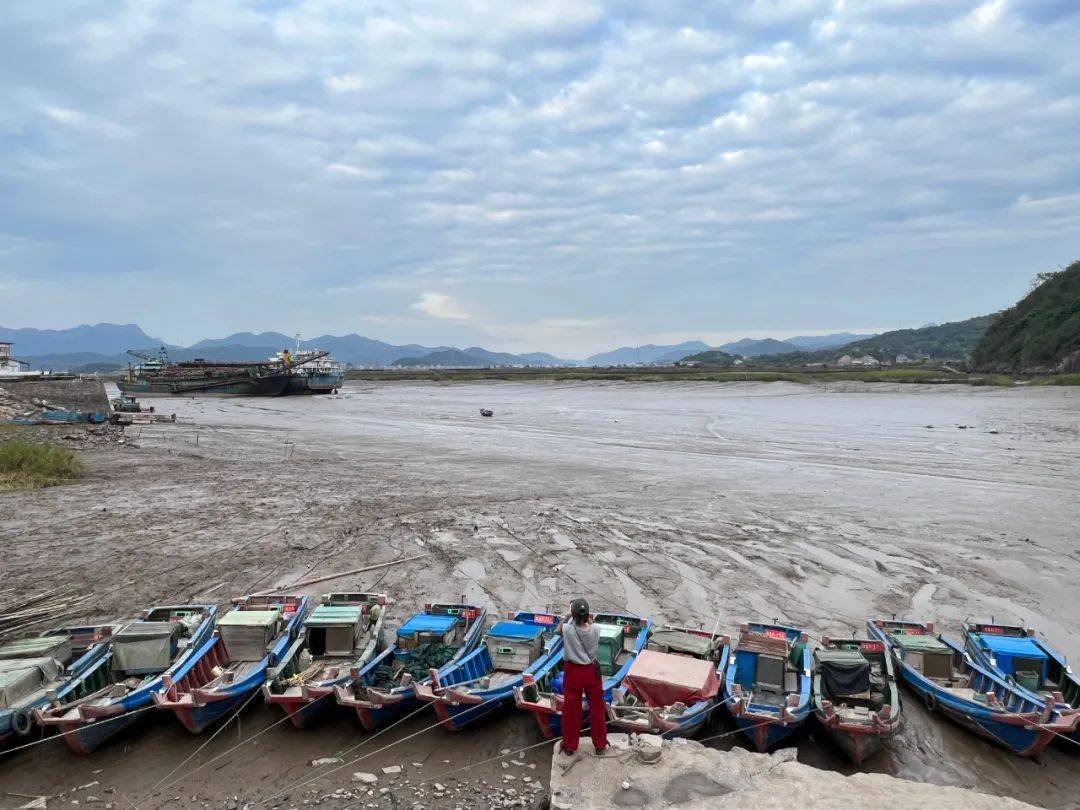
pixel 622 637
pixel 951 683
pixel 477 684
pixel 143 652
pixel 674 684
pixel 59 665
pixel 1021 657
pixel 344 632
pixel 231 665
pixel 767 686
pixel 855 695
pixel 382 690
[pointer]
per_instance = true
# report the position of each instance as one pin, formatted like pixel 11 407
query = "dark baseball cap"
pixel 579 608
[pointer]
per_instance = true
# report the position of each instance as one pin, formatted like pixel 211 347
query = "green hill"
pixel 712 357
pixel 446 358
pixel 946 341
pixel 1041 333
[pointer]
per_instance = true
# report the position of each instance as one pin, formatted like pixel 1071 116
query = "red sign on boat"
pixel 871 646
pixel 989 628
pixel 771 632
pixel 543 618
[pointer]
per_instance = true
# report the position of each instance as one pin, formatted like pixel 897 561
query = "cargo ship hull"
pixel 271 385
pixel 314 382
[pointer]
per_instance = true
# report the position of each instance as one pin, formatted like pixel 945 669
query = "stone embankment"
pixel 642 772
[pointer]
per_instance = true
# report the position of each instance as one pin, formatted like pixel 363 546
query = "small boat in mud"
pixel 382 690
pixel 478 684
pixel 767 686
pixel 855 695
pixel 1025 660
pixel 142 653
pixel 231 665
pixel 674 684
pixel 343 633
pixel 953 684
pixel 622 638
pixel 58 666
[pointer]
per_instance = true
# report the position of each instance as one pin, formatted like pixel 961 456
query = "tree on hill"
pixel 1041 332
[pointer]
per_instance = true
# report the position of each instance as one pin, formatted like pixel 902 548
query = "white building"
pixel 9 366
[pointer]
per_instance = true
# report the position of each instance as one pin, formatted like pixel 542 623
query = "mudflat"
pixel 816 505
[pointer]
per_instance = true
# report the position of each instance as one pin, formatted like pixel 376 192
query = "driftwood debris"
pixel 341 574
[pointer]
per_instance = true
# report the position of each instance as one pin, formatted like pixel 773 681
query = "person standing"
pixel 581 676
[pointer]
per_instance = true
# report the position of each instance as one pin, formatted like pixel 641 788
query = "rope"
pixel 195 753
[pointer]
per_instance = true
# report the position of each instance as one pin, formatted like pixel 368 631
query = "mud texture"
pixel 686 501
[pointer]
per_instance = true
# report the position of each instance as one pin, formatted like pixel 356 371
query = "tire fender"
pixel 22 723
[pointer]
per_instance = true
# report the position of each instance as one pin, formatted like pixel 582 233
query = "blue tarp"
pixel 423 623
pixel 517 630
pixel 1007 649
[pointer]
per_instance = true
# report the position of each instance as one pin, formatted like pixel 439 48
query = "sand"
pixel 686 501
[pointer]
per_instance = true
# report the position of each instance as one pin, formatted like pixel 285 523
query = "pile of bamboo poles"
pixel 23 615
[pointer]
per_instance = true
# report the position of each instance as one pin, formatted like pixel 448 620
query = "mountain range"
pixel 104 345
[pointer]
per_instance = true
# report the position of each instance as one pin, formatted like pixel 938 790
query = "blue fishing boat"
pixel 951 683
pixel 1022 658
pixel 142 653
pixel 674 684
pixel 477 684
pixel 382 690
pixel 344 632
pixel 59 665
pixel 622 637
pixel 855 696
pixel 767 688
pixel 231 665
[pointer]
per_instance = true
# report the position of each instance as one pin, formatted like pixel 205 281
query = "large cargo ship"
pixel 156 376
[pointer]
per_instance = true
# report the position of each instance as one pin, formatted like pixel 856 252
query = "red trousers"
pixel 578 679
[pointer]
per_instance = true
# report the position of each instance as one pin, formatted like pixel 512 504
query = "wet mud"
pixel 688 502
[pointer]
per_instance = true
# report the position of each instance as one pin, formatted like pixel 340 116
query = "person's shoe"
pixel 563 752
pixel 602 752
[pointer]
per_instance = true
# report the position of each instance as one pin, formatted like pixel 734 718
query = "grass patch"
pixel 1057 379
pixel 24 465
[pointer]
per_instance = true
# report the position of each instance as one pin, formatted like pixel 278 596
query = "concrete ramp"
pixel 685 774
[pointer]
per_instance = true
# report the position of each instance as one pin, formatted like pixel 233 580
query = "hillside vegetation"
pixel 1041 333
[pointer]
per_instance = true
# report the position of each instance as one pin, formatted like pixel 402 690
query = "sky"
pixel 557 175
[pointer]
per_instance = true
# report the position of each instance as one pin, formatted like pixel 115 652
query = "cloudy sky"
pixel 562 175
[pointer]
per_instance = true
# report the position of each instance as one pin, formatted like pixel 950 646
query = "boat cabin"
pixel 38 663
pixel 767 664
pixel 335 630
pixel 854 673
pixel 247 632
pixel 150 645
pixel 514 645
pixel 1019 657
pixel 618 636
pixel 424 628
pixel 930 657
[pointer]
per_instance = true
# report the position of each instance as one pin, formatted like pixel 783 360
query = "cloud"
pixel 439 305
pixel 708 168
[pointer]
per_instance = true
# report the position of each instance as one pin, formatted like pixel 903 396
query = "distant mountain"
pixel 812 342
pixel 507 359
pixel 650 353
pixel 748 347
pixel 261 339
pixel 1040 333
pixel 102 338
pixel 446 357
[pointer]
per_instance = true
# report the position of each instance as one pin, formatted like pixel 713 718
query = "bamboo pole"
pixel 341 574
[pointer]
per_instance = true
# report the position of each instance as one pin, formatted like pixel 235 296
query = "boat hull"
pixel 272 385
pixel 196 718
pixel 303 712
pixel 84 738
pixel 314 383
pixel 859 747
